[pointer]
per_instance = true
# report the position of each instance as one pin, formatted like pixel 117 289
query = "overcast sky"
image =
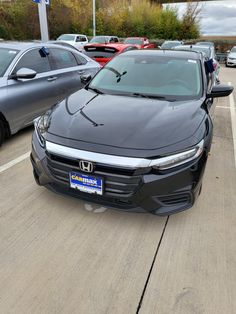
pixel 217 17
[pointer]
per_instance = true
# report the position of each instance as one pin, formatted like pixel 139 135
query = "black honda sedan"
pixel 136 137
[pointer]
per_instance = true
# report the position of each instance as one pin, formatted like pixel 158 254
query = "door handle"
pixel 52 78
pixel 81 72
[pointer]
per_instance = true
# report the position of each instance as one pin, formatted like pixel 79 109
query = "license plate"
pixel 86 183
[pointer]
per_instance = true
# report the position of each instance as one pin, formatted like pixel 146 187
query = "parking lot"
pixel 62 255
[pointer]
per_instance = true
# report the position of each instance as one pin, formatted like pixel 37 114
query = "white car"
pixel 231 58
pixel 76 40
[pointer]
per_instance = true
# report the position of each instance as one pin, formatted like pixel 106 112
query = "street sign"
pixel 36 1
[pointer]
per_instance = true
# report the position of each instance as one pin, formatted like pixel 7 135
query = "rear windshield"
pixel 66 37
pixel 6 57
pixel 154 76
pixel 133 41
pixel 100 52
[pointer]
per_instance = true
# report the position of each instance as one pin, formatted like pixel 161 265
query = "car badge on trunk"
pixel 86 166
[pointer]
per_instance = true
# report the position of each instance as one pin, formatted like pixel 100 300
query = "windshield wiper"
pixel 96 90
pixel 148 96
pixel 117 73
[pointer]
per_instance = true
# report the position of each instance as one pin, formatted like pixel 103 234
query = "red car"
pixel 103 53
pixel 141 42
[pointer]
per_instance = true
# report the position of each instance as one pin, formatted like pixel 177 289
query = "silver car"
pixel 33 77
pixel 231 58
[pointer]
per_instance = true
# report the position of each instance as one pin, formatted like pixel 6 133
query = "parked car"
pixel 140 42
pixel 104 40
pixel 170 44
pixel 103 53
pixel 231 58
pixel 35 76
pixel 76 40
pixel 209 52
pixel 205 43
pixel 137 137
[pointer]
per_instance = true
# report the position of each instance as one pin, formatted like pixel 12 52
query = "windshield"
pixel 150 75
pixel 6 57
pixel 99 39
pixel 170 44
pixel 133 41
pixel 66 37
pixel 204 50
pixel 233 49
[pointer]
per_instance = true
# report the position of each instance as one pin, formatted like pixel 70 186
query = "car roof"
pixel 193 46
pixel 21 46
pixel 73 35
pixel 136 37
pixel 182 54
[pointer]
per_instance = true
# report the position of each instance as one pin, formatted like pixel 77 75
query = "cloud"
pixel 216 18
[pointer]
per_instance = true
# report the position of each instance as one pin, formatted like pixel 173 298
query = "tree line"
pixel 19 19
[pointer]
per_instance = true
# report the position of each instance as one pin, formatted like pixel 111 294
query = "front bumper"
pixel 231 62
pixel 139 191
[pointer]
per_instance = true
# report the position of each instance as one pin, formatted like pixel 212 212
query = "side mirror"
pixel 228 51
pixel 23 73
pixel 220 91
pixel 85 79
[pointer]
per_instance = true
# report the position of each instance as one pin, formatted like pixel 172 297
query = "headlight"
pixel 41 125
pixel 178 159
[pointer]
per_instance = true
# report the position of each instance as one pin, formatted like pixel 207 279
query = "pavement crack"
pixel 151 268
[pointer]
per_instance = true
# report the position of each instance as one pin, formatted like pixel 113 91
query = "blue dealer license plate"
pixel 86 183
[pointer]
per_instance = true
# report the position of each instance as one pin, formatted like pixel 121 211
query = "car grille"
pixel 117 181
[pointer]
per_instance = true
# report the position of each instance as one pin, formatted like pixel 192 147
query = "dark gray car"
pixel 33 77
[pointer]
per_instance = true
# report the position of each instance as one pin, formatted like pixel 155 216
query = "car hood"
pixel 122 122
pixel 232 55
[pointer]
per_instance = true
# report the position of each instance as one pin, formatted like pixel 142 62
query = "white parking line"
pixel 14 162
pixel 233 121
pixel 223 107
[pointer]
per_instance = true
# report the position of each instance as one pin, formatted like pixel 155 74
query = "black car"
pixel 136 137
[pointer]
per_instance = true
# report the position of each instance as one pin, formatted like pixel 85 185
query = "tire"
pixel 2 132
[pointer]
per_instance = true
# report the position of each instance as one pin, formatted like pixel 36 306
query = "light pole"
pixel 94 17
pixel 43 20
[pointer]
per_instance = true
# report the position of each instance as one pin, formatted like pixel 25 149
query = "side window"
pixel 81 39
pixel 80 60
pixel 33 60
pixel 113 40
pixel 62 59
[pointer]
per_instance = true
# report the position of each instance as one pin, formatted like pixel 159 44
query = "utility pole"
pixel 43 20
pixel 94 17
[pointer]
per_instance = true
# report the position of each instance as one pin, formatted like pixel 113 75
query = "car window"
pixel 80 60
pixel 33 60
pixel 133 41
pixel 113 40
pixel 62 59
pixel 66 37
pixel 80 39
pixel 6 57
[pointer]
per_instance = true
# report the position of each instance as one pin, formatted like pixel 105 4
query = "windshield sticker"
pixel 192 61
pixel 12 52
